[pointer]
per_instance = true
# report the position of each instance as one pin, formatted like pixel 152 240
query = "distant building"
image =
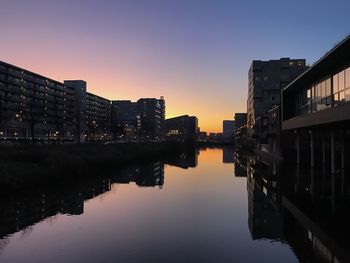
pixel 266 79
pixel 152 115
pixel 228 128
pixel 125 119
pixel 181 128
pixel 215 136
pixel 202 136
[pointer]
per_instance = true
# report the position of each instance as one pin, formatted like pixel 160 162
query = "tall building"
pixel 228 128
pixel 125 118
pixel 152 115
pixel 93 113
pixel 34 107
pixel 98 118
pixel 181 128
pixel 79 88
pixel 266 79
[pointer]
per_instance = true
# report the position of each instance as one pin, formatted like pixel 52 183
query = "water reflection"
pixel 20 211
pixel 186 159
pixel 228 155
pixel 308 209
pixel 147 212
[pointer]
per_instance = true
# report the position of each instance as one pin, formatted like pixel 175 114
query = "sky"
pixel 195 53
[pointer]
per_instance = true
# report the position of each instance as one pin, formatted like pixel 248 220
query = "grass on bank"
pixel 31 165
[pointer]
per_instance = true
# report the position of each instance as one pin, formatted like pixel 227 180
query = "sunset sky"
pixel 194 53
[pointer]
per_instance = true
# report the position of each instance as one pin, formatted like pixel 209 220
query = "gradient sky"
pixel 194 53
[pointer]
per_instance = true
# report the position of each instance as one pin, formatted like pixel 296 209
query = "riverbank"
pixel 26 166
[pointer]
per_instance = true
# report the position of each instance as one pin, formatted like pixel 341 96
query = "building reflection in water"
pixel 19 212
pixel 186 159
pixel 228 155
pixel 240 160
pixel 308 209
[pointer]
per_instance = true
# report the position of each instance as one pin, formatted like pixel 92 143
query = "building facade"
pixel 93 113
pixel 241 120
pixel 34 107
pixel 316 109
pixel 79 89
pixel 228 129
pixel 152 115
pixel 98 118
pixel 266 79
pixel 125 119
pixel 181 128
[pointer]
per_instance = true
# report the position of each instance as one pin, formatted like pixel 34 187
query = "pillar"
pixel 333 171
pixel 312 152
pixel 323 152
pixel 342 150
pixel 298 147
pixel 332 153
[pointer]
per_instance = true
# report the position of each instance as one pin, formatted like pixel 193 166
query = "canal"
pixel 207 205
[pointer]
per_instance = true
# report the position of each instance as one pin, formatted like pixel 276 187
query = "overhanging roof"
pixel 333 60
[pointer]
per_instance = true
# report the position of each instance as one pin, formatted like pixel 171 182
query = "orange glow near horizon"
pixel 123 57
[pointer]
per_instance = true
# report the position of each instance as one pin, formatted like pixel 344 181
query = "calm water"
pixel 197 208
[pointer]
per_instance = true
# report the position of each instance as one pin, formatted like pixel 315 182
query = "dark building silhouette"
pixel 79 87
pixel 228 128
pixel 152 115
pixel 93 113
pixel 35 107
pixel 125 119
pixel 266 79
pixel 241 120
pixel 98 117
pixel 39 108
pixel 241 130
pixel 181 128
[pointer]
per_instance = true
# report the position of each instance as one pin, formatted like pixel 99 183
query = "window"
pixel 335 83
pixel 347 78
pixel 347 95
pixel 341 80
pixel 328 86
